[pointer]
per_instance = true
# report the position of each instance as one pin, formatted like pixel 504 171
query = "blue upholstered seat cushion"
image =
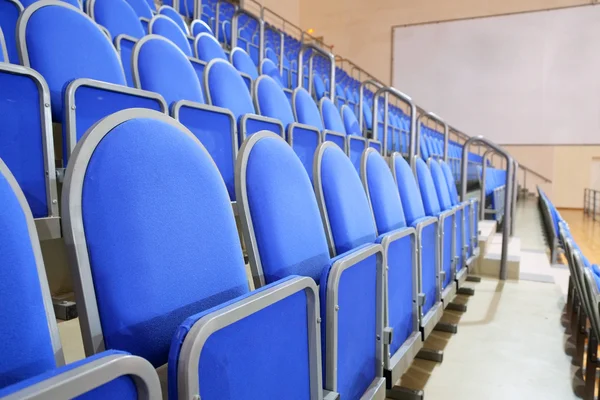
pixel 207 48
pixel 306 109
pixel 441 186
pixel 118 17
pixel 332 119
pixel 25 342
pixel 409 191
pixel 227 89
pixel 272 102
pixel 167 28
pixel 428 192
pixel 243 63
pixel 163 243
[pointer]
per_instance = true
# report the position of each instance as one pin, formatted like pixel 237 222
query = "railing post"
pixel 594 206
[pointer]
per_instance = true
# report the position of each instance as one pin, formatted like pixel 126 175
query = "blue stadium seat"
pixel 223 88
pixel 270 101
pixel 74 3
pixel 9 14
pixel 284 235
pixel 171 13
pixel 198 26
pixel 201 315
pixel 268 67
pixel 26 143
pixel 332 120
pixel 87 81
pixel 124 27
pixel 164 26
pixel 353 128
pixel 32 362
pixel 306 112
pixel 143 11
pixel 159 66
pixel 243 63
pixel 427 240
pixel 399 249
pixel 450 220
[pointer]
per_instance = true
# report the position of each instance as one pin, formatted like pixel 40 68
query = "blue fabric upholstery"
pixel 25 342
pixel 167 28
pixel 74 3
pixel 227 88
pixel 270 345
pixel 21 141
pixel 141 8
pixel 118 17
pixel 428 192
pixel 384 196
pixel 319 86
pixel 160 217
pixel 171 13
pixel 356 357
pixel 9 13
pixel 64 44
pixel 441 185
pixel 164 69
pixel 331 116
pixel 348 211
pixel 306 109
pixel 409 191
pixel 207 48
pixel 243 63
pixel 122 388
pixel 450 181
pixel 198 26
pixel 287 224
pixel 267 67
pixel 271 101
pixel 350 122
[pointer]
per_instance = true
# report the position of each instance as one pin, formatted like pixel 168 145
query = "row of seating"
pixel 160 272
pixel 493 185
pixel 583 293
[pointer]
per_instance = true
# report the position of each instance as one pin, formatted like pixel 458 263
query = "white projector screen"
pixel 531 78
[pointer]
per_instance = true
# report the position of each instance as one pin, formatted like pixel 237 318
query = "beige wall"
pixel 289 9
pixel 362 30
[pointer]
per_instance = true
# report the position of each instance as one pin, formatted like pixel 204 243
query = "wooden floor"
pixel 585 231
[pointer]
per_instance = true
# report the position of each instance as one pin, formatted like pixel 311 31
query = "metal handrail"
pixel 413 116
pixel 546 180
pixel 361 93
pixel 261 28
pixel 439 120
pixel 323 53
pixel 507 193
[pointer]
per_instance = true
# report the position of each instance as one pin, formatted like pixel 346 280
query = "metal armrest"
pixel 74 382
pixel 253 123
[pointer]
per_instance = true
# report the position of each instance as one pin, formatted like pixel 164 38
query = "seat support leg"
pixel 402 393
pixel 64 309
pixel 431 355
pixel 591 367
pixel 456 307
pixel 473 278
pixel 466 291
pixel 446 327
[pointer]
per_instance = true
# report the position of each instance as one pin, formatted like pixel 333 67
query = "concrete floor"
pixel 511 343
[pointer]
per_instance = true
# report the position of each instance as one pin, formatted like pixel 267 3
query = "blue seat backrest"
pixel 74 3
pixel 428 192
pixel 9 14
pixel 383 193
pixel 287 225
pixel 243 63
pixel 350 122
pixel 441 185
pixel 118 17
pixel 305 109
pixel 451 183
pixel 347 206
pixel 207 48
pixel 25 340
pixel 319 86
pixel 141 8
pixel 177 237
pixel 22 118
pixel 198 26
pixel 331 116
pixel 64 44
pixel 167 28
pixel 171 13
pixel 424 149
pixel 226 88
pixel 270 101
pixel 409 191
pixel 267 67
pixel 159 66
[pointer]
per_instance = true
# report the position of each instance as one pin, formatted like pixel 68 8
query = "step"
pixel 489 265
pixel 487 229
